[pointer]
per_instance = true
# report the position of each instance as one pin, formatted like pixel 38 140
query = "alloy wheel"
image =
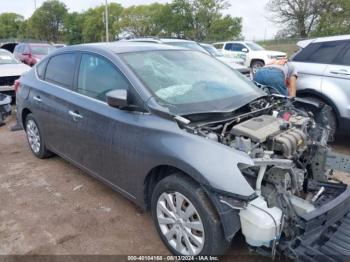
pixel 180 223
pixel 33 136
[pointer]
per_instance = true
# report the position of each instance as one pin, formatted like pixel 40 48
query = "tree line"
pixel 310 18
pixel 201 20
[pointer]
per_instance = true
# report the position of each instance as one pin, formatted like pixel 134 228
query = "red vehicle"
pixel 30 53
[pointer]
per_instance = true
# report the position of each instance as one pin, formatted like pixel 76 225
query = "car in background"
pixel 59 45
pixel 190 45
pixel 10 70
pixel 234 63
pixel 256 55
pixel 179 133
pixel 323 66
pixel 169 41
pixel 31 53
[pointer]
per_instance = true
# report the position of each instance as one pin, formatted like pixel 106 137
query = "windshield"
pixel 7 58
pixel 212 50
pixel 41 50
pixel 254 46
pixel 189 82
pixel 189 45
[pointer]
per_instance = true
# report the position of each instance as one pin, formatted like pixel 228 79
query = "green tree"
pixel 179 18
pixel 73 28
pixel 94 25
pixel 225 28
pixel 10 24
pixel 47 21
pixel 25 31
pixel 199 20
pixel 335 20
pixel 142 20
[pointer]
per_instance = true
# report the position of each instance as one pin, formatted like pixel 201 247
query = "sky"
pixel 256 26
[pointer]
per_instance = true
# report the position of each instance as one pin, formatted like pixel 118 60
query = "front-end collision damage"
pixel 296 207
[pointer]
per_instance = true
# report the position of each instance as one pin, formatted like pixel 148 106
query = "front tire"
pixel 35 138
pixel 185 218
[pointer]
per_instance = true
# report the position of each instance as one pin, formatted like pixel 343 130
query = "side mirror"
pixel 245 50
pixel 117 98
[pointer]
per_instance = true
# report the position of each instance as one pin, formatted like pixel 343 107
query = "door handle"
pixel 37 98
pixel 75 115
pixel 340 72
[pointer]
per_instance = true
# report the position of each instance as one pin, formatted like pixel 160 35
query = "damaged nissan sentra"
pixel 209 153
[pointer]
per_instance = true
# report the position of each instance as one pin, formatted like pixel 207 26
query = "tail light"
pixel 17 86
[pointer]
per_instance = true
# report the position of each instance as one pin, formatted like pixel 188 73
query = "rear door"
pixel 312 62
pixel 54 98
pixel 234 50
pixel 104 131
pixel 336 81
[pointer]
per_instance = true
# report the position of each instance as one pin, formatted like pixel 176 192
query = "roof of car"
pixel 123 47
pixel 304 43
pixel 157 40
pixel 34 44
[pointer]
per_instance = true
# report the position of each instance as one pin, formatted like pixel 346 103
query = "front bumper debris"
pixel 325 233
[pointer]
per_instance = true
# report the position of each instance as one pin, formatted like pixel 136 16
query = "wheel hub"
pixel 180 223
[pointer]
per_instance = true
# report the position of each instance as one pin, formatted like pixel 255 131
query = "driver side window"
pixel 97 76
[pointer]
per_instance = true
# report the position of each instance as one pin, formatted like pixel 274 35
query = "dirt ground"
pixel 51 207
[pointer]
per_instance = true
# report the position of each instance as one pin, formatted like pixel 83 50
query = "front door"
pixel 104 131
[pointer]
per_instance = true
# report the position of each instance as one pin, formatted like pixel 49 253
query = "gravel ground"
pixel 51 207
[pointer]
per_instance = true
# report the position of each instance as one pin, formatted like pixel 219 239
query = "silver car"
pixel 324 76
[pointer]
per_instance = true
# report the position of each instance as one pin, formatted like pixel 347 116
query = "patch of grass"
pixel 288 46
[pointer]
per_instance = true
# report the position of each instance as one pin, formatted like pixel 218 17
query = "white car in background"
pixel 10 70
pixel 235 63
pixel 256 55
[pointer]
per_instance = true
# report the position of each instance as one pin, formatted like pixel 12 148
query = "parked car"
pixel 31 53
pixel 178 132
pixel 194 46
pixel 59 45
pixel 234 63
pixel 10 70
pixel 256 55
pixel 323 66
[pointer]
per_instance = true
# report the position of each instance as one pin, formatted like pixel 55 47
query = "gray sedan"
pixel 178 132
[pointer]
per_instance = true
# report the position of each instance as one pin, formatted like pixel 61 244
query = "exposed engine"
pixel 285 137
pixel 285 142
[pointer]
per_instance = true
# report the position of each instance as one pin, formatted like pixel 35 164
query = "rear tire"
pixel 185 218
pixel 35 138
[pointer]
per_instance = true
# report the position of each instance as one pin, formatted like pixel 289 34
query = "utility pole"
pixel 35 4
pixel 106 20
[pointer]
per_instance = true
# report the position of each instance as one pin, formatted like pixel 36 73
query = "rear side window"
pixel 97 76
pixel 60 69
pixel 237 47
pixel 323 53
pixel 218 46
pixel 40 69
pixel 228 46
pixel 344 57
